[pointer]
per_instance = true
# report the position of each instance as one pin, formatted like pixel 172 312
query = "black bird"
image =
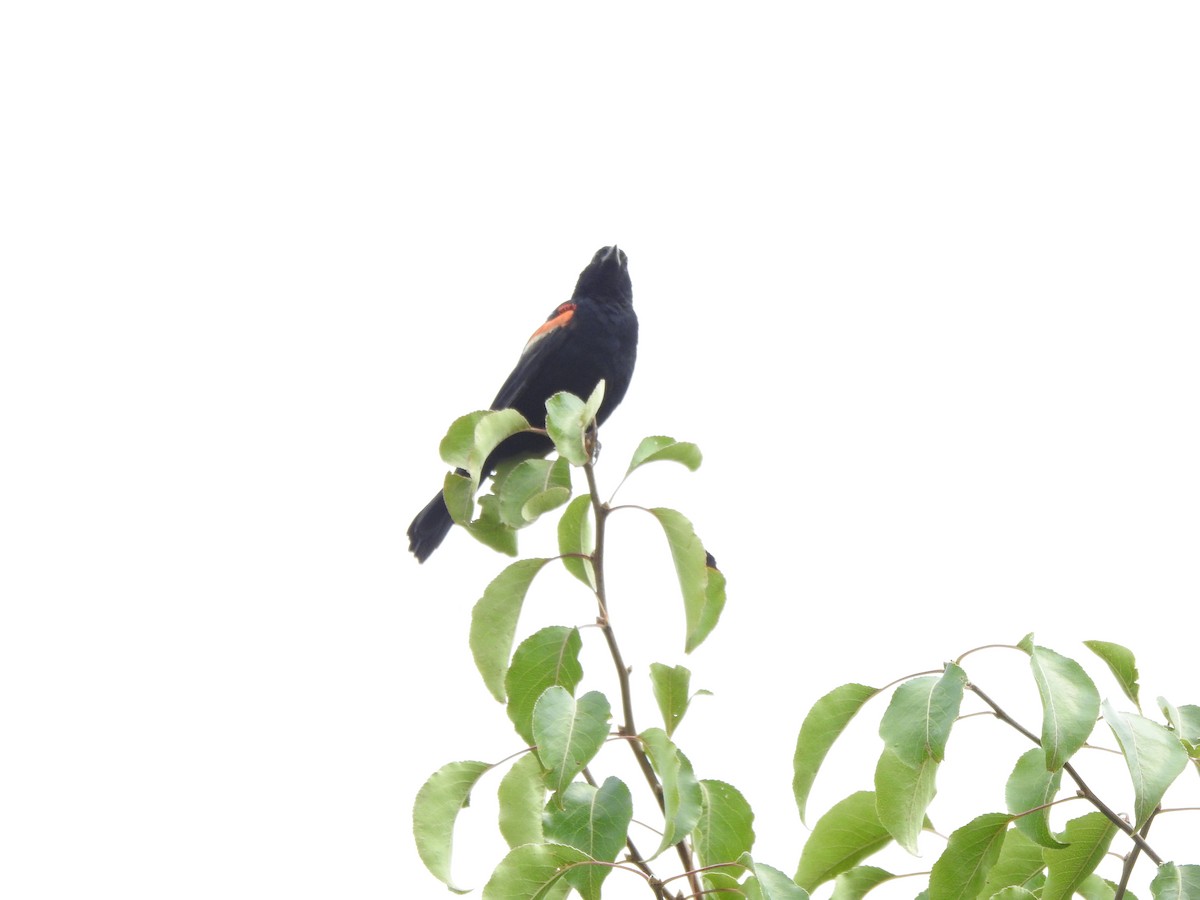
pixel 592 336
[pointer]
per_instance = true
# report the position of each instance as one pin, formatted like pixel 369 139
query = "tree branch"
pixel 627 727
pixel 1084 790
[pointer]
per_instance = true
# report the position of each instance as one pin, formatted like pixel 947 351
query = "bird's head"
pixel 606 278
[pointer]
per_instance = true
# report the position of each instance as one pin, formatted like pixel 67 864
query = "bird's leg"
pixel 591 441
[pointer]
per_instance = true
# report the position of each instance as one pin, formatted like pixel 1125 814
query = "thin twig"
pixel 1131 859
pixel 627 727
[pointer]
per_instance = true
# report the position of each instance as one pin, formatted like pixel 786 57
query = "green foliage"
pixel 971 852
pixel 670 684
pixel 435 811
pixel 594 820
pixel 1154 756
pixel 569 422
pixel 532 871
pixel 1087 840
pixel 902 794
pixel 533 487
pixel 703 588
pixel 680 790
pixel 724 831
pixel 1020 865
pixel 570 832
pixel 917 722
pixel 1176 882
pixel 768 883
pixel 655 449
pixel 825 721
pixel 1121 663
pixel 544 659
pixel 568 733
pixel 1029 792
pixel 522 795
pixel 842 838
pixel 494 621
pixel 575 541
pixel 853 884
pixel 1070 704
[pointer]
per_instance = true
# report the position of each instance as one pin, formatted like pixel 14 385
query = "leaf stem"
pixel 958 662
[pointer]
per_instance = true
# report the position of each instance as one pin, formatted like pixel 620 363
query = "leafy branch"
pixel 566 826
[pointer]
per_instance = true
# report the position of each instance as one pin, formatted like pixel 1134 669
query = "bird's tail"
pixel 429 528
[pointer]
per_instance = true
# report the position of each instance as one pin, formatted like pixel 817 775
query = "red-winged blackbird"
pixel 592 336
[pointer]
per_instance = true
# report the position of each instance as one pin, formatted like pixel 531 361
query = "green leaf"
pixel 594 820
pixel 842 838
pixel 1013 893
pixel 568 419
pixel 768 883
pixel 494 621
pixel 555 495
pixel 1176 882
pixel 575 536
pixel 1153 754
pixel 1070 704
pixel 1087 838
pixel 473 437
pixel 1185 721
pixel 1020 865
pixel 568 732
pixel 657 448
pixel 1096 888
pixel 1189 723
pixel 902 794
pixel 826 720
pixel 1030 786
pixel 435 811
pixel 522 794
pixel 682 797
pixel 1093 887
pixel 856 883
pixel 710 612
pixel 489 530
pixel 459 494
pixel 532 487
pixel 528 872
pixel 458 446
pixel 917 722
pixel 670 684
pixel 724 831
pixel 703 588
pixel 1026 643
pixel 1121 663
pixel 962 869
pixel 549 657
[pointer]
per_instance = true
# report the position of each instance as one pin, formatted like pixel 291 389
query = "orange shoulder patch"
pixel 560 317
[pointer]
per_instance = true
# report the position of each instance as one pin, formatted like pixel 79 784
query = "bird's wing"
pixel 541 345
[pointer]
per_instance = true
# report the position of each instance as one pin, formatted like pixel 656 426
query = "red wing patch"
pixel 560 317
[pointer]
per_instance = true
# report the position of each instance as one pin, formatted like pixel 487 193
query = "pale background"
pixel 920 279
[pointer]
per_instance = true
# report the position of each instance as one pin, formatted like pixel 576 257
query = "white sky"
pixel 920 279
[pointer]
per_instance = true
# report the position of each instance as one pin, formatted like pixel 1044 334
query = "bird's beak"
pixel 613 253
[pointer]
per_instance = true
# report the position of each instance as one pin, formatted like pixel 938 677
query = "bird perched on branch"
pixel 592 336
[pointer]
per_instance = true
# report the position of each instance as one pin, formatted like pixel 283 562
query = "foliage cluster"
pixel 569 830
